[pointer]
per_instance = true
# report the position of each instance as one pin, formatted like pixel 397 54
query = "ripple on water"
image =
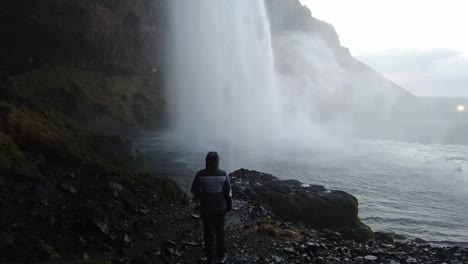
pixel 412 189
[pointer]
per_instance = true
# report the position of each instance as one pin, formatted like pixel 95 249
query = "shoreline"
pixel 186 174
pixel 101 218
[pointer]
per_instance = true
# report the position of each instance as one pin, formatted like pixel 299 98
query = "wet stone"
pixel 103 227
pixel 68 188
pixel 6 239
pixel 370 257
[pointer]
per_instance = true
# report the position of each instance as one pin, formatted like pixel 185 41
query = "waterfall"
pixel 222 90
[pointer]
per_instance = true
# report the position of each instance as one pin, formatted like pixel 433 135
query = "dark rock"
pixel 259 211
pixel 313 205
pixel 148 236
pixel 335 236
pixel 399 237
pixel 370 257
pixel 384 237
pixel 420 241
pixel 68 188
pixel 43 195
pixel 319 260
pixel 115 188
pixel 28 174
pixel 445 253
pixel 196 216
pixel 103 227
pixel 169 244
pixel 310 246
pixel 6 239
pixel 189 243
pixel 360 251
pixel 48 251
pixel 144 211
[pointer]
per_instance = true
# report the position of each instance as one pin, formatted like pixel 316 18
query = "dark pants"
pixel 213 227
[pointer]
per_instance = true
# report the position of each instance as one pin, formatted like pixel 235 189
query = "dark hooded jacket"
pixel 212 186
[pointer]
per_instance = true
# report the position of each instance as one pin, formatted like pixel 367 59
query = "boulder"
pixel 309 204
pixel 384 237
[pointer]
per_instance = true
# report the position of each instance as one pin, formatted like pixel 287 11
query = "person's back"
pixel 213 187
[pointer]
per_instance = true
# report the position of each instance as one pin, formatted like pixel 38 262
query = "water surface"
pixel 411 189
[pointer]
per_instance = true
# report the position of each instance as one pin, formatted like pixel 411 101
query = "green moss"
pixel 10 155
pixel 128 199
pixel 45 130
pixel 96 100
pixel 290 208
pixel 360 233
pixel 38 128
pixel 166 188
pixel 139 162
pixel 120 151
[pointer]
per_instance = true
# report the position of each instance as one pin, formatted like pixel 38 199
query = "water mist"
pixel 223 92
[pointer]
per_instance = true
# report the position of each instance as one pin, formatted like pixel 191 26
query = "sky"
pixel 422 45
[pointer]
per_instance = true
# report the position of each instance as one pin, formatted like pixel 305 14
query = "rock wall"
pixel 322 78
pixel 294 201
pixel 99 62
pixel 111 41
pixel 291 15
pixel 109 35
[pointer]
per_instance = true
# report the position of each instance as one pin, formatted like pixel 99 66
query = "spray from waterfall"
pixel 223 90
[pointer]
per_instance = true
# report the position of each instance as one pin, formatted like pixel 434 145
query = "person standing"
pixel 213 187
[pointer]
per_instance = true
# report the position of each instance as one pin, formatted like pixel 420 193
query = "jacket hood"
pixel 212 160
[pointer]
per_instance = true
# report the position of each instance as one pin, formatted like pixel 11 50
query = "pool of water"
pixel 411 189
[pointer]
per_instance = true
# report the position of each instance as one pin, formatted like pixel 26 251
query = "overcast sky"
pixel 422 45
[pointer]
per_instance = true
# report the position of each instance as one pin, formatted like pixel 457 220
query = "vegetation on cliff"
pixel 65 190
pixel 110 103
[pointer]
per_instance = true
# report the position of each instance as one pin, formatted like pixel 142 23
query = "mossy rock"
pixel 40 129
pixel 360 232
pixel 120 150
pixel 128 199
pixel 11 156
pixel 290 200
pixel 309 204
pixel 166 188
pixel 96 100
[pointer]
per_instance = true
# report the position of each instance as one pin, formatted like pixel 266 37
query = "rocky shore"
pixel 78 75
pixel 81 215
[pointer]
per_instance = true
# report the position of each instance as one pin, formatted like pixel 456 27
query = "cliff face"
pixel 73 71
pixel 116 51
pixel 321 78
pixel 98 62
pixel 290 15
pixel 102 34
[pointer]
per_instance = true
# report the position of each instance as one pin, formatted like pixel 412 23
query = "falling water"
pixel 222 88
